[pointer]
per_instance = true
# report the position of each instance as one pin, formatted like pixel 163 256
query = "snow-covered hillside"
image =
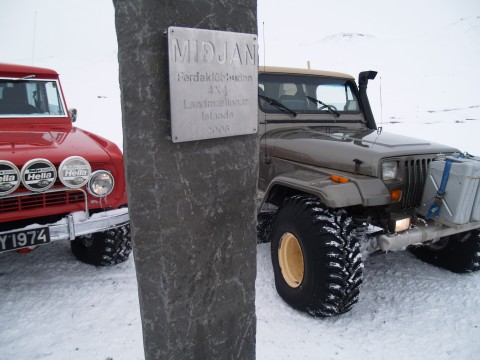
pixel 427 83
pixel 427 58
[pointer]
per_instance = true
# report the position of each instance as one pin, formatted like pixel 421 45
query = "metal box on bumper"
pixel 459 202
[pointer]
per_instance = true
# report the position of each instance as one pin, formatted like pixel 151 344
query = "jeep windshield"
pixel 305 94
pixel 32 98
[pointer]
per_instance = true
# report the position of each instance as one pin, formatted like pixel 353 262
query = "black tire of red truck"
pixel 104 248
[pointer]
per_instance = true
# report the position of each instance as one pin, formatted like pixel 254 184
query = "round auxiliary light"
pixel 101 183
pixel 9 177
pixel 38 175
pixel 74 172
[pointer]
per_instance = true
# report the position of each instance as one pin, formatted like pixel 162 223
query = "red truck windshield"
pixel 32 98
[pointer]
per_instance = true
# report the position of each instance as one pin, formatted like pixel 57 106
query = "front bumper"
pixel 79 223
pixel 423 231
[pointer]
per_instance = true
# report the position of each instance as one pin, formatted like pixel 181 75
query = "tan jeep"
pixel 337 188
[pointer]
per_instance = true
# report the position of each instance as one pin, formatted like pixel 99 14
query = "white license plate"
pixel 20 239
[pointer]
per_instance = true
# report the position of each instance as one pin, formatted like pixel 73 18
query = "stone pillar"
pixel 192 204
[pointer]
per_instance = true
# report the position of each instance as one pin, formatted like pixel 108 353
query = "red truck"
pixel 57 181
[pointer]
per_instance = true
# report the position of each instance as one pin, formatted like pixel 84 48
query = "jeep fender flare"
pixel 357 191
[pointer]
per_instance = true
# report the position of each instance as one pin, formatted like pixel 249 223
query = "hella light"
pixel 101 183
pixel 389 170
pixel 74 172
pixel 9 177
pixel 38 175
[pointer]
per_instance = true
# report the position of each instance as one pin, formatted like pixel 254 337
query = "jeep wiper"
pixel 278 105
pixel 330 108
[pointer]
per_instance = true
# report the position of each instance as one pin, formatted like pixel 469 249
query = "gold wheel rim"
pixel 290 257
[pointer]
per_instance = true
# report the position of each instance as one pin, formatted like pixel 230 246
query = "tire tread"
pixel 108 248
pixel 334 247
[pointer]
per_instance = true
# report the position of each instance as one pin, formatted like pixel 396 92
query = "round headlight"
pixel 9 177
pixel 74 172
pixel 38 175
pixel 389 170
pixel 101 183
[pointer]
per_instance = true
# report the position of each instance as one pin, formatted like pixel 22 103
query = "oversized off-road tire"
pixel 316 258
pixel 103 248
pixel 458 253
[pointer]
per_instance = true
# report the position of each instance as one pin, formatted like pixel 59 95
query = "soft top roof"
pixel 285 70
pixel 10 69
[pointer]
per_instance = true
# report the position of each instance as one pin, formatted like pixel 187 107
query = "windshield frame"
pixel 37 115
pixel 308 82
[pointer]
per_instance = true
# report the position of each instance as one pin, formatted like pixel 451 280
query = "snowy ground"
pixel 407 310
pixel 54 307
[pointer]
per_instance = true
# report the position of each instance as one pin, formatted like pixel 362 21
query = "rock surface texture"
pixel 192 204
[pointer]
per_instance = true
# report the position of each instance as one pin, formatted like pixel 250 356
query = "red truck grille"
pixel 42 200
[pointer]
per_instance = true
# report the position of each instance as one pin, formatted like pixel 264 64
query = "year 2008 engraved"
pixel 219 129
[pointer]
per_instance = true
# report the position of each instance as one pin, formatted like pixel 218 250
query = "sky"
pixel 426 52
pixel 307 19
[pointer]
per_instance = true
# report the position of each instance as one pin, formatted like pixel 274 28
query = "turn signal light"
pixel 395 195
pixel 339 179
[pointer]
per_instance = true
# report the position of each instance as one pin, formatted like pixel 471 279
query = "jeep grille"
pixel 29 201
pixel 415 173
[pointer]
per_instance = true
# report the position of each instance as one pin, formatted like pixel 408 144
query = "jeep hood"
pixel 342 149
pixel 54 145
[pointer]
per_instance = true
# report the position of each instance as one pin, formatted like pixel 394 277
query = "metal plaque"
pixel 213 83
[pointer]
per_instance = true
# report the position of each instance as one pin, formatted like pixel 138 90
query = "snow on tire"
pixel 103 248
pixel 459 253
pixel 264 226
pixel 316 258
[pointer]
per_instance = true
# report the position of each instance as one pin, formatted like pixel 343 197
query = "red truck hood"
pixel 54 145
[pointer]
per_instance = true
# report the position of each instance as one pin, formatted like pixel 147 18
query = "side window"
pixel 31 88
pixel 337 95
pixel 352 103
pixel 54 104
pixel 332 94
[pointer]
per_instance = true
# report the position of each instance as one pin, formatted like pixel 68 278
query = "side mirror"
pixel 73 114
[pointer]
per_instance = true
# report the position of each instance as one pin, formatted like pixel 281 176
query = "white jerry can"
pixel 476 202
pixel 461 203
